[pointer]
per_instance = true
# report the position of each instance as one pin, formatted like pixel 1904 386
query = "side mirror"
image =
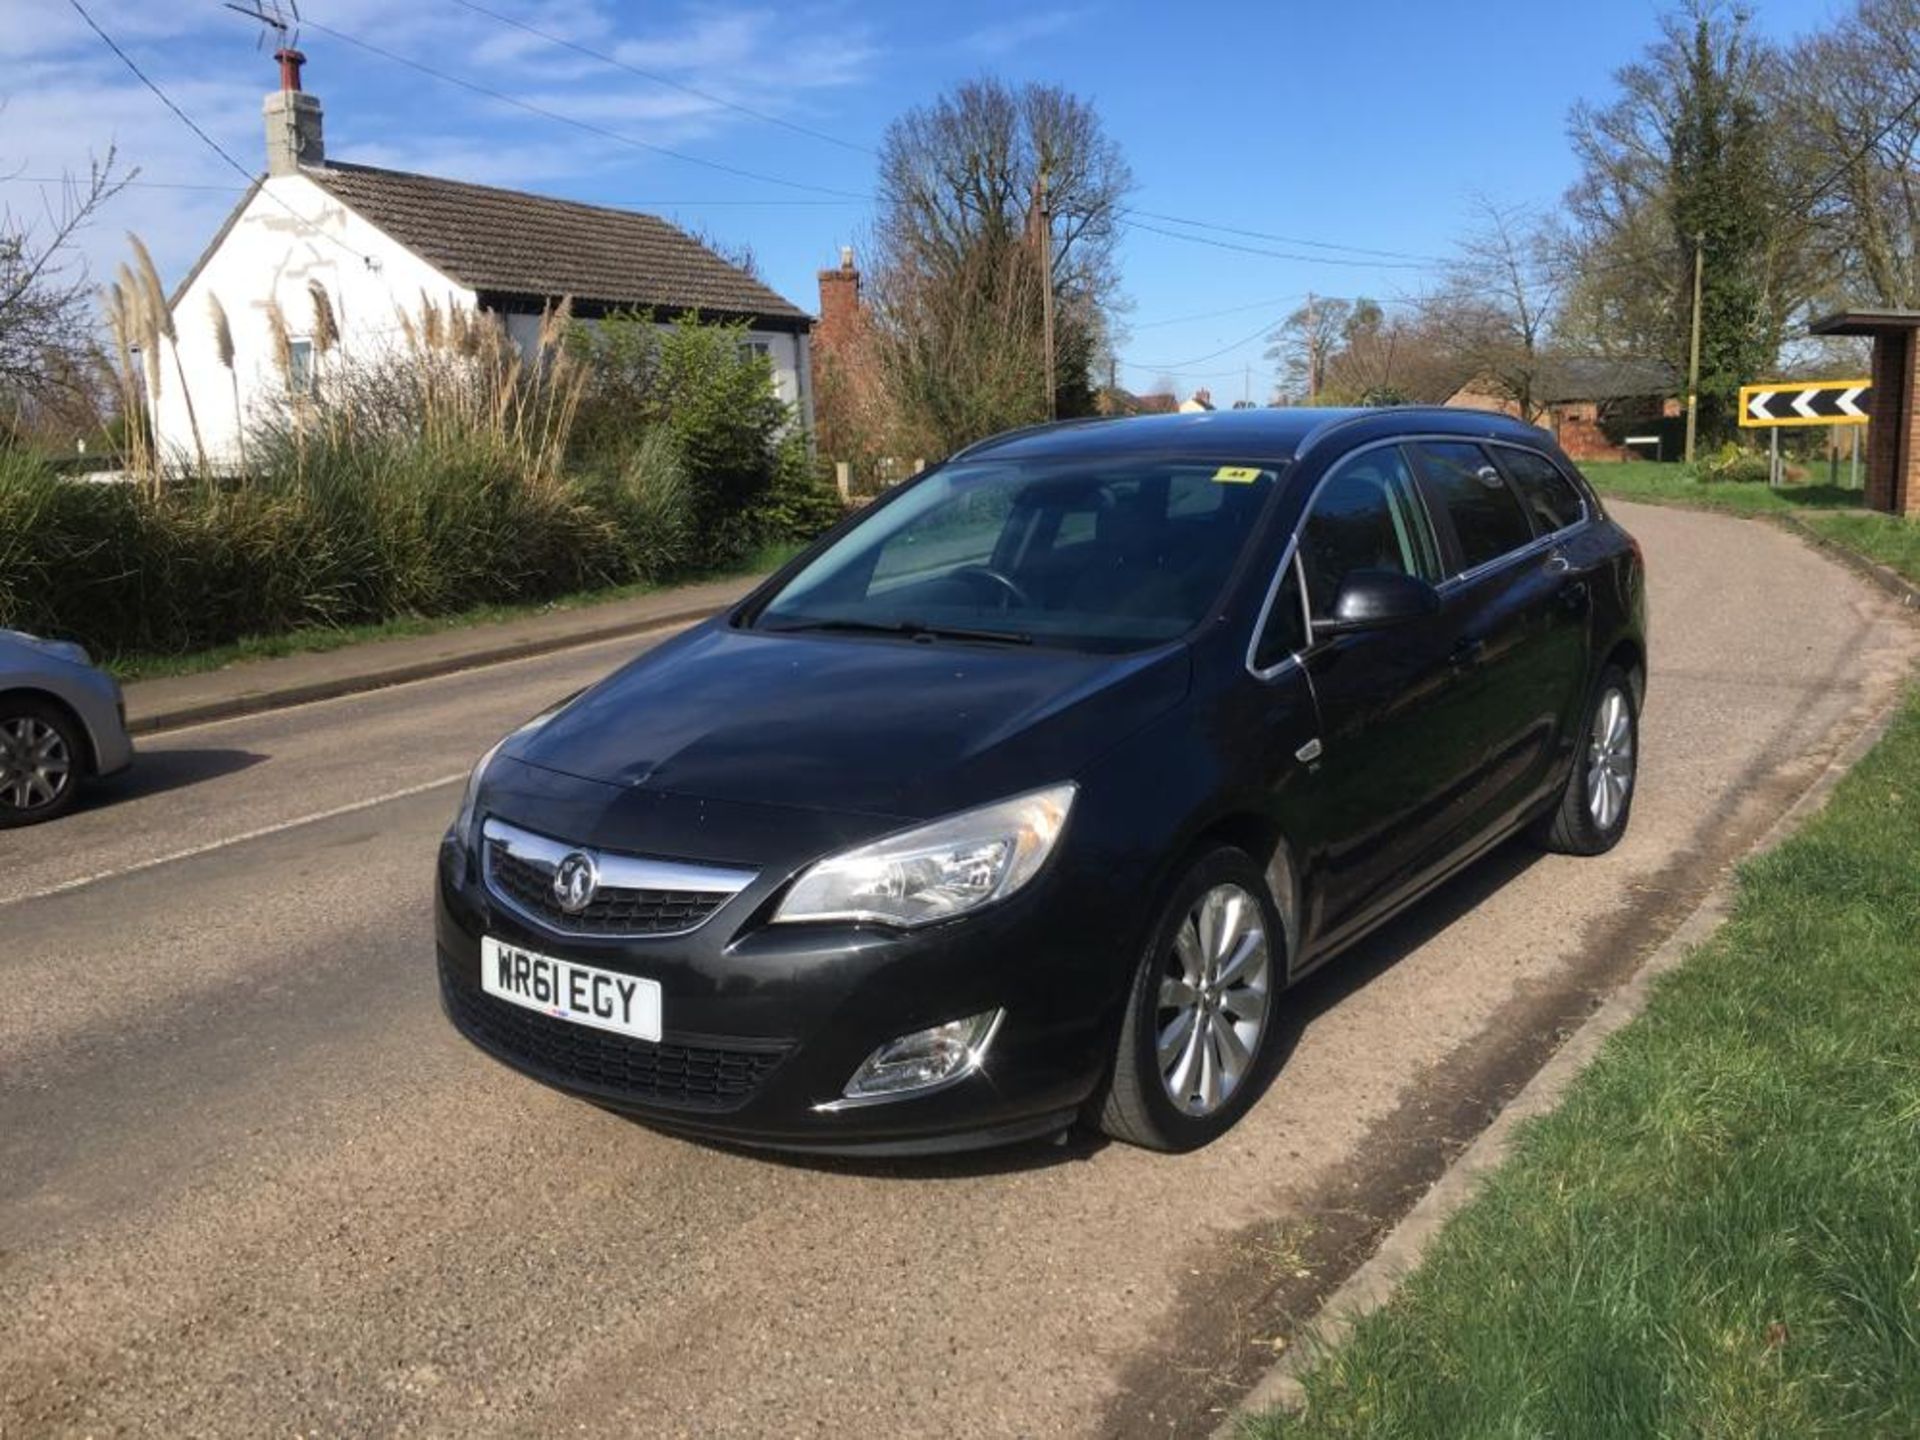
pixel 1374 599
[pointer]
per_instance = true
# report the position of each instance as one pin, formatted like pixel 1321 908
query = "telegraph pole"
pixel 1693 363
pixel 1313 353
pixel 1045 207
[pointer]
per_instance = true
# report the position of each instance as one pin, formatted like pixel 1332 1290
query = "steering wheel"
pixel 1009 587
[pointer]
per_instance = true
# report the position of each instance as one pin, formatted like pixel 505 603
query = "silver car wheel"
pixel 1610 759
pixel 35 766
pixel 1214 993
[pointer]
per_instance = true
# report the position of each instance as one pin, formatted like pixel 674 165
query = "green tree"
pixel 1722 200
pixel 1688 154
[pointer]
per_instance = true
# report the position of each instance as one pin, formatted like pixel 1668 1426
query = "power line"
pixel 1216 314
pixel 1839 171
pixel 532 109
pixel 618 63
pixel 208 140
pixel 1210 355
pixel 1274 254
pixel 1282 239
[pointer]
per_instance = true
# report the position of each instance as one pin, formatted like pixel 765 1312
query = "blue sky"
pixel 1369 125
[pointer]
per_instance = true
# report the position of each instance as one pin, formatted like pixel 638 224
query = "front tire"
pixel 1196 1047
pixel 1594 808
pixel 40 750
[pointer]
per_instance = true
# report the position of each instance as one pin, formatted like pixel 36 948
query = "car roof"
pixel 1276 434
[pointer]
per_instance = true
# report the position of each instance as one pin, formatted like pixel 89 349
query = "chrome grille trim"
pixel 622 877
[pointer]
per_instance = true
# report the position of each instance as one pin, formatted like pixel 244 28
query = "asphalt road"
pixel 250 1182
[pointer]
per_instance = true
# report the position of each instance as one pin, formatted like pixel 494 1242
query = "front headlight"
pixel 470 799
pixel 934 872
pixel 463 819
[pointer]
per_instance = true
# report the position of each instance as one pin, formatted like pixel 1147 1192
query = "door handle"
pixel 1469 651
pixel 1558 564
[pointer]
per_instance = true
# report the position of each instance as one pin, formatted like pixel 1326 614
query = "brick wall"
pixel 1893 437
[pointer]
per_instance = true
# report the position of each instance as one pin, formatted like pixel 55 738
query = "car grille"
pixel 527 885
pixel 692 1077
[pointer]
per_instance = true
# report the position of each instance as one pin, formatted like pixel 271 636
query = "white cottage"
pixel 380 241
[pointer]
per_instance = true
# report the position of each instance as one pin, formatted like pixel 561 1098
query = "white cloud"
pixel 64 98
pixel 1005 36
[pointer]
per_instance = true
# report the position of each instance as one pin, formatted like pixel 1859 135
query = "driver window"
pixel 1366 517
pixel 964 531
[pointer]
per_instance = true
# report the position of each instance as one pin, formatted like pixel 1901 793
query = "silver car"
pixel 62 721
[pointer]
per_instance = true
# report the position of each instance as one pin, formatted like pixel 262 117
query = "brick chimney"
pixel 293 121
pixel 840 317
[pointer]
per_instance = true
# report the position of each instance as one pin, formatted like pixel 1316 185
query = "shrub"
pixel 1732 464
pixel 438 475
pixel 713 396
pixel 801 501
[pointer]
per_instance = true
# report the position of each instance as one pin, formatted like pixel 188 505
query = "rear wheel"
pixel 39 762
pixel 1196 1046
pixel 1593 810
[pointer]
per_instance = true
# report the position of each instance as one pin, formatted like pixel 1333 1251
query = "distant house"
pixel 380 242
pixel 1592 405
pixel 1197 403
pixel 1112 400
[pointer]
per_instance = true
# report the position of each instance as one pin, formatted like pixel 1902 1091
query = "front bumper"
pixel 762 1024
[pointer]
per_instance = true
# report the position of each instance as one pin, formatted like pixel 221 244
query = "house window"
pixel 751 348
pixel 300 367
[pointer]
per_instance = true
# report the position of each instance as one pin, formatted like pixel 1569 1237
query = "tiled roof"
pixel 507 241
pixel 1592 377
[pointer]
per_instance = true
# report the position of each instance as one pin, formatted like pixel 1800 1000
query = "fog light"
pixel 925 1060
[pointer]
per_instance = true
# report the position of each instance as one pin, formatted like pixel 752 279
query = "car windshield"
pixel 1106 556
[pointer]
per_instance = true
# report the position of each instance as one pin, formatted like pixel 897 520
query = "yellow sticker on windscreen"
pixel 1235 475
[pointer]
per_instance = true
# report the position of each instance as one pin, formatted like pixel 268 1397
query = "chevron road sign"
pixel 1806 402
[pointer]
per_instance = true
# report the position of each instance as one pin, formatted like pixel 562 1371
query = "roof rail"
pixel 1354 417
pixel 1021 431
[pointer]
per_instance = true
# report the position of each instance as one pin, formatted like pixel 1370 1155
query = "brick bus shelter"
pixel 1893 434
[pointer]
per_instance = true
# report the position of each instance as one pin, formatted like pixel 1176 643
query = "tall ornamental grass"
pixel 438 473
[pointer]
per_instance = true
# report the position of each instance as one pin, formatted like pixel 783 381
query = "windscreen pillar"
pixel 1893 432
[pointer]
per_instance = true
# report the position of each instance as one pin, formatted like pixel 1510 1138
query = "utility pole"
pixel 1045 208
pixel 1313 353
pixel 1693 363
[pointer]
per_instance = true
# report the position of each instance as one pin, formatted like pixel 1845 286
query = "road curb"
pixel 1406 1244
pixel 1888 579
pixel 280 697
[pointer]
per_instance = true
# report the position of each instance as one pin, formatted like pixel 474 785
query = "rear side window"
pixel 1367 516
pixel 1486 517
pixel 1548 494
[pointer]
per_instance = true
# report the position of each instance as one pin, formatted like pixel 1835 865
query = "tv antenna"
pixel 283 19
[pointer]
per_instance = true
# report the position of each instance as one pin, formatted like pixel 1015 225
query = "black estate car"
pixel 1024 794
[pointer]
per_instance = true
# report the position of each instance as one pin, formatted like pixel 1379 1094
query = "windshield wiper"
pixel 912 629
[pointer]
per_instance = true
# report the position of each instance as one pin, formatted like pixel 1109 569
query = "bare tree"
pixel 974 189
pixel 959 354
pixel 1851 96
pixel 1498 301
pixel 47 346
pixel 1299 346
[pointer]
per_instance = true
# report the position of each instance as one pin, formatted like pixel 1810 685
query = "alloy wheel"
pixel 1214 993
pixel 35 764
pixel 1610 759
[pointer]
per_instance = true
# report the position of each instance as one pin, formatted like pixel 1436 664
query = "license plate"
pixel 568 990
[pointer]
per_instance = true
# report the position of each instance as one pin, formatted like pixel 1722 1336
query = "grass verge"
pixel 313 640
pixel 1718 1231
pixel 1830 510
